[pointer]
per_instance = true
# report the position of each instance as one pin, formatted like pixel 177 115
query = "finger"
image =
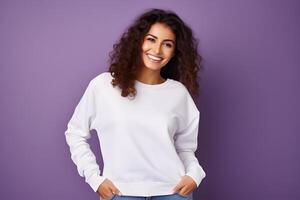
pixel 177 187
pixel 116 191
pixel 183 191
pixel 186 190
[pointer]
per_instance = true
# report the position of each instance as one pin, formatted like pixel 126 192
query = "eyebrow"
pixel 164 40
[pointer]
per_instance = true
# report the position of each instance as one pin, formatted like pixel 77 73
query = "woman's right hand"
pixel 107 189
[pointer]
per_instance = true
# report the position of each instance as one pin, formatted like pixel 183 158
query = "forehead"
pixel 161 31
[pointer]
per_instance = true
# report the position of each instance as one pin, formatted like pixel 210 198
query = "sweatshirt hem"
pixel 145 188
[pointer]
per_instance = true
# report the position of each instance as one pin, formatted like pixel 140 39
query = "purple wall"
pixel 249 108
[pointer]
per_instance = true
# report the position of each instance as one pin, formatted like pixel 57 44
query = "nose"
pixel 157 49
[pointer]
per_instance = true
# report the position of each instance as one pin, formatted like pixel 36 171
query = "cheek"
pixel 169 53
pixel 145 46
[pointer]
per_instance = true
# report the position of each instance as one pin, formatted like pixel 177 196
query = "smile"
pixel 154 58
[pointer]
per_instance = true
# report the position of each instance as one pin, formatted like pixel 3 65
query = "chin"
pixel 153 67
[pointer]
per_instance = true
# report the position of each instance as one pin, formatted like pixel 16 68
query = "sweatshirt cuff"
pixel 197 175
pixel 95 181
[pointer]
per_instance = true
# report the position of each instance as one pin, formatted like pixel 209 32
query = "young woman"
pixel 144 115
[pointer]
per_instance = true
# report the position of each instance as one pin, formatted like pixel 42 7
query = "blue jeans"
pixel 175 196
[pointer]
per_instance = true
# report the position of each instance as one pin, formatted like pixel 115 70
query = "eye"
pixel 169 45
pixel 151 39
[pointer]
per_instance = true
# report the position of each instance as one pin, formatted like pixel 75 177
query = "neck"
pixel 150 77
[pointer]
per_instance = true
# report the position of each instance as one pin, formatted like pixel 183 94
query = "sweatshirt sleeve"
pixel 186 140
pixel 77 133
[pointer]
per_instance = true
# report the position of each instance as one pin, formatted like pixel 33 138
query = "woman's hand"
pixel 107 189
pixel 185 186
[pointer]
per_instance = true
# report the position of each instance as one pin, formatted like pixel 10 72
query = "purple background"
pixel 249 127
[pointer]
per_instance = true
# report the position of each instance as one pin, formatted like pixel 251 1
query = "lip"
pixel 152 60
pixel 154 55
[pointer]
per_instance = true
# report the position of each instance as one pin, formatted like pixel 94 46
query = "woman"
pixel 144 115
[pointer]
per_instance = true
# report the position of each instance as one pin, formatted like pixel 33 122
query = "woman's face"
pixel 158 46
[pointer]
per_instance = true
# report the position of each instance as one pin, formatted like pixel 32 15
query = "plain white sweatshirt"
pixel 148 143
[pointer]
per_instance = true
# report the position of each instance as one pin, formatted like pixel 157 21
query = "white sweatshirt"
pixel 148 143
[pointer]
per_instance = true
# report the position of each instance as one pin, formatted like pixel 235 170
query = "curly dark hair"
pixel 125 58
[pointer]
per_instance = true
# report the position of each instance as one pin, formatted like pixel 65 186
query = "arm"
pixel 77 133
pixel 186 145
pixel 186 139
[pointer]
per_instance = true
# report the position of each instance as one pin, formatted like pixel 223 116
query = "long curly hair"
pixel 125 59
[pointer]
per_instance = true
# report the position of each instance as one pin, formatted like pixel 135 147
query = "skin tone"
pixel 157 49
pixel 159 44
pixel 185 186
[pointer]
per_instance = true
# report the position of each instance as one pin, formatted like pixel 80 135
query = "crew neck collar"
pixel 145 85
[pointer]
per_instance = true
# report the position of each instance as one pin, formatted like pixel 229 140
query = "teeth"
pixel 154 58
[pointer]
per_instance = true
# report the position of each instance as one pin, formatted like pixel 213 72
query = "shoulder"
pixel 101 79
pixel 185 95
pixel 103 76
pixel 180 87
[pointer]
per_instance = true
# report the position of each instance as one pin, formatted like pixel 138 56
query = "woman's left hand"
pixel 185 186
